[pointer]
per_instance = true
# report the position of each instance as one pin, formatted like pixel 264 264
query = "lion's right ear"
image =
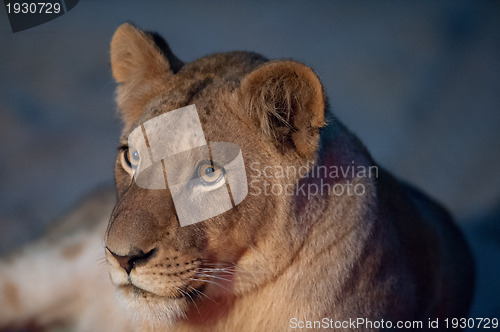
pixel 142 64
pixel 287 101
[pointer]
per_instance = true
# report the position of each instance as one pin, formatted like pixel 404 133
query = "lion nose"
pixel 128 262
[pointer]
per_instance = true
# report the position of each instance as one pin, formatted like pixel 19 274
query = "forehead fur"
pixel 222 71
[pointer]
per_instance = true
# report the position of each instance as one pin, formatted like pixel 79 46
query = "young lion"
pixel 323 238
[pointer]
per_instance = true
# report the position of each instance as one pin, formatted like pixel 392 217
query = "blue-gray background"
pixel 418 82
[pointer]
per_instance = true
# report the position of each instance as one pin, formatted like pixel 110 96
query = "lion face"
pixel 272 111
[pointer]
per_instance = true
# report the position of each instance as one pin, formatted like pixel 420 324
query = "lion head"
pixel 273 111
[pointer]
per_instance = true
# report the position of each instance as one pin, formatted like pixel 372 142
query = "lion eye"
pixel 210 173
pixel 130 159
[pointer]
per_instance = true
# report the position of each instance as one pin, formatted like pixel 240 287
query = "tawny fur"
pixel 389 254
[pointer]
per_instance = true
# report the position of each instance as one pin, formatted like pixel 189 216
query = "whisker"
pixel 212 276
pixel 217 263
pixel 217 271
pixel 188 295
pixel 218 268
pixel 210 282
pixel 232 271
pixel 200 294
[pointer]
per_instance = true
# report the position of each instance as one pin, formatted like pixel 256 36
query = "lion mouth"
pixel 191 296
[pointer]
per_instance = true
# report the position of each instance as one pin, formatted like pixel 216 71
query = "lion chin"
pixel 146 307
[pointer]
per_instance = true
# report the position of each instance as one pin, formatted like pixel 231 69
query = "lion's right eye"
pixel 210 173
pixel 130 160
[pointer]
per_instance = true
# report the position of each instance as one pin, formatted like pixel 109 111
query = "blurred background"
pixel 418 82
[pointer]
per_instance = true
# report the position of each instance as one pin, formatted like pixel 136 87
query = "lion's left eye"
pixel 210 173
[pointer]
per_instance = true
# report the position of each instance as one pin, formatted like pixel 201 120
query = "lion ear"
pixel 286 99
pixel 142 64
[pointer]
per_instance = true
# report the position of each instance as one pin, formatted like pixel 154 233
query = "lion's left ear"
pixel 286 99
